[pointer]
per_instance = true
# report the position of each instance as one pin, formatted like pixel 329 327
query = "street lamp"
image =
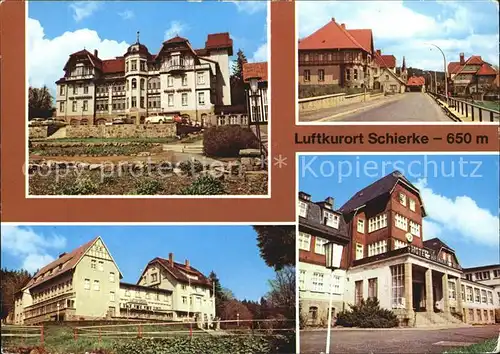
pixel 58 312
pixel 445 72
pixel 333 255
pixel 256 110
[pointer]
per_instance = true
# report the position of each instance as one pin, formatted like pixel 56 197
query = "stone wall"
pixel 38 132
pixel 329 101
pixel 122 131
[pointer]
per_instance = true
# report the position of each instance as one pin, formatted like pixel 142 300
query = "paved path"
pixel 395 340
pixel 408 107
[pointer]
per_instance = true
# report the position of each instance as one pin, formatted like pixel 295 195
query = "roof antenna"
pixel 137 37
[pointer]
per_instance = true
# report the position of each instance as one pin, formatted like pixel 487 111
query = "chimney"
pixel 342 25
pixel 62 254
pixel 379 52
pixel 187 264
pixel 304 196
pixel 96 53
pixel 333 19
pixel 171 259
pixel 462 59
pixel 329 200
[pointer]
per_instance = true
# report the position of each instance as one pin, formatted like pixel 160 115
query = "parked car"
pixel 159 119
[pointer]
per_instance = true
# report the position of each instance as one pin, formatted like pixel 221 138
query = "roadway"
pixel 395 340
pixel 408 107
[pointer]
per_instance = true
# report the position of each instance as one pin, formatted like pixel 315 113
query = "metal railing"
pixel 468 109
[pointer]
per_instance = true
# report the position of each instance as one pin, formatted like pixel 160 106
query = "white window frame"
pixel 302 279
pixel 377 222
pixel 452 290
pixel 361 226
pixel 96 286
pixel 359 251
pixel 111 277
pixel 302 209
pixel 304 241
pixel 170 81
pixel 319 245
pixel 412 204
pixel 112 296
pixel 201 98
pixel 401 222
pixel 100 266
pixel 184 99
pixel 399 244
pixel 402 198
pixel 86 284
pixel 200 78
pixel 170 99
pixel 397 286
pixel 332 220
pixel 414 228
pixel 184 80
pixel 318 282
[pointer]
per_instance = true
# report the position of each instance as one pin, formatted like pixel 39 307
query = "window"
pixel 452 290
pixel 397 274
pixel 170 99
pixel 154 277
pixel 377 248
pixel 183 287
pixel 101 266
pixel 302 279
pixel 361 226
pixel 184 300
pixel 483 296
pixel 313 313
pixel 387 77
pixel 93 264
pixel 201 98
pixel 307 75
pixel 201 78
pixel 348 74
pixel 414 228
pixel 85 89
pixel 490 298
pixel 479 317
pixel 302 209
pixel 378 222
pixel 477 295
pixel 468 277
pixel 86 284
pixel 358 291
pixel 468 294
pixel 399 244
pixel 412 204
pixel 75 89
pixel 402 199
pixel 355 74
pixel 462 292
pixel 372 288
pixel 359 251
pixel 319 246
pixel 85 105
pixel 143 83
pixel 143 65
pixel 184 80
pixel 61 90
pixel 317 281
pixel 134 65
pixel 496 273
pixel 96 285
pixel 401 222
pixel 112 296
pixel 138 294
pixel 170 81
pixel 330 219
pixel 112 277
pixel 134 84
pixel 321 75
pixel 134 102
pixel 304 241
pixel 184 99
pixel 61 107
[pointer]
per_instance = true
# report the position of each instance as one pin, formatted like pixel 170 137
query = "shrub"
pixel 82 186
pixel 205 185
pixel 191 167
pixel 367 314
pixel 228 140
pixel 148 187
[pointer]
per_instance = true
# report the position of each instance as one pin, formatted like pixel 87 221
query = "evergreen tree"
pixel 277 245
pixel 237 83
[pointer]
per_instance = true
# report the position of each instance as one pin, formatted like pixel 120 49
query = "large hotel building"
pixel 177 81
pixel 386 256
pixel 85 284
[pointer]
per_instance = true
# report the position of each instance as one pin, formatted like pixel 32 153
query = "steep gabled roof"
pixel 255 70
pixel 179 271
pixel 219 41
pixel 385 61
pixel 383 186
pixel 486 70
pixel 94 60
pixel 112 66
pixel 416 81
pixel 335 36
pixel 436 244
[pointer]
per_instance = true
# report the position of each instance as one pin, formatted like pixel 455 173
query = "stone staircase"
pixel 423 319
pixel 184 148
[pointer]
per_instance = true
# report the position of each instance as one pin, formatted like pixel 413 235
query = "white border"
pixel 347 123
pixel 103 196
pixel 297 189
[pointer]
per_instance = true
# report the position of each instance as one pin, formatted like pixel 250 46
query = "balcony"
pixel 177 67
pixel 79 77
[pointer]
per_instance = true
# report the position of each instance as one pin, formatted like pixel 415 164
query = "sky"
pixel 460 194
pixel 230 251
pixel 56 29
pixel 406 28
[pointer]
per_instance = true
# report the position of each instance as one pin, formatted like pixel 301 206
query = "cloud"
pixel 250 7
pixel 457 218
pixel 84 9
pixel 260 54
pixel 175 29
pixel 32 249
pixel 404 30
pixel 126 15
pixel 47 56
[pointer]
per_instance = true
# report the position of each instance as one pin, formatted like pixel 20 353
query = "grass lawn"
pixel 489 104
pixel 483 347
pixel 110 140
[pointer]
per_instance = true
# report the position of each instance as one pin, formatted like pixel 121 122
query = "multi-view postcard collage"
pixel 148 207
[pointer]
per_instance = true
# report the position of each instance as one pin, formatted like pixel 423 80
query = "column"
pixel 429 292
pixel 460 304
pixel 408 290
pixel 446 296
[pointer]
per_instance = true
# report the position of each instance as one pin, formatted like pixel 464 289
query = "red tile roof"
pixel 454 67
pixel 416 81
pixel 385 61
pixel 255 70
pixel 179 272
pixel 475 60
pixel 68 261
pixel 111 66
pixel 218 40
pixel 335 36
pixel 486 70
pixel 176 39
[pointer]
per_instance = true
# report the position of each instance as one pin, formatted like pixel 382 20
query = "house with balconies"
pixel 177 81
pixel 473 76
pixel 388 257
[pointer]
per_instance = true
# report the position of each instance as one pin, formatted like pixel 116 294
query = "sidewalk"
pixel 326 114
pixel 464 118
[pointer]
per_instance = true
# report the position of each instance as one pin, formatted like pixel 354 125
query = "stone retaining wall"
pixel 37 132
pixel 329 101
pixel 122 131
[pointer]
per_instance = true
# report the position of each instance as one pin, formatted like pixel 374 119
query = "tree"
pixel 39 103
pixel 237 82
pixel 234 309
pixel 221 294
pixel 282 294
pixel 277 245
pixel 11 282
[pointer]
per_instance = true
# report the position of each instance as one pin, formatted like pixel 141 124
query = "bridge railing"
pixel 468 109
pixel 25 335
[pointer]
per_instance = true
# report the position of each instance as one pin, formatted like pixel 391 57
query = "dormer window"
pixel 302 209
pixel 402 199
pixel 412 205
pixel 330 219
